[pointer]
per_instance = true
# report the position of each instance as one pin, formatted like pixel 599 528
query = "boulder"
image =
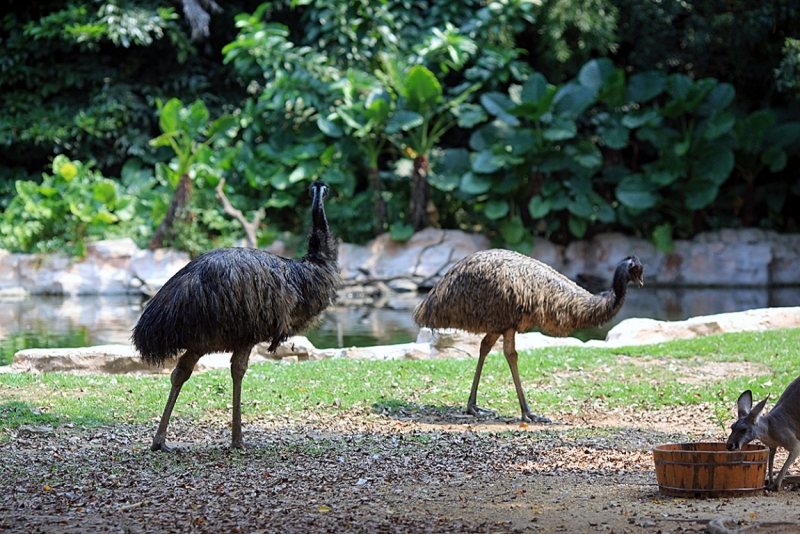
pixel 649 331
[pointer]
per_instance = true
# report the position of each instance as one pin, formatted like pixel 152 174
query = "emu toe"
pixel 480 412
pixel 160 446
pixel 529 417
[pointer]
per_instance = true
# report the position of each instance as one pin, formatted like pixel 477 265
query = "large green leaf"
pixel 329 128
pixel 700 193
pixel 422 90
pixel 572 100
pixel 613 134
pixel 104 192
pixel 562 128
pixel 222 125
pixel 512 230
pixel 645 86
pixel 474 185
pixel 718 99
pixel 774 158
pixel 636 192
pixel 486 162
pixel 454 161
pixel 403 120
pixel 496 209
pixel 581 207
pixel 536 98
pixel 498 104
pixel 377 106
pixel 168 115
pixel 638 118
pixel 577 226
pixel 714 163
pixel 538 207
pixel 784 134
pixel 718 125
pixel 523 142
pixel 594 73
pixel 751 130
pixel 194 119
pixel 662 238
pixel 469 115
pixel 586 154
pixel 535 89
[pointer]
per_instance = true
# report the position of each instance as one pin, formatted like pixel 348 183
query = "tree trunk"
pixel 380 205
pixel 419 193
pixel 178 210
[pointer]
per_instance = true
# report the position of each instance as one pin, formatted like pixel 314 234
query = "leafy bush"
pixel 66 208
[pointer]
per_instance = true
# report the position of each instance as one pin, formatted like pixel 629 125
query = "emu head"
pixel 745 429
pixel 318 188
pixel 635 270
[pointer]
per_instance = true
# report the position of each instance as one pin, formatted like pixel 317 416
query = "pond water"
pixel 53 322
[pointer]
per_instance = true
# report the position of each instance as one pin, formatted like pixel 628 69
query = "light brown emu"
pixel 228 300
pixel 500 292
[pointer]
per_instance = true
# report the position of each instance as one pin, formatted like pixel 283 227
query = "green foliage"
pixel 81 78
pixel 739 42
pixel 181 126
pixel 788 73
pixel 556 118
pixel 61 212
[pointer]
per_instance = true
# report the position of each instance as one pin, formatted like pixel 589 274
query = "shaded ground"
pixel 356 471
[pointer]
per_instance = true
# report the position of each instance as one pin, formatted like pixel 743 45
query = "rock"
pixel 746 257
pixel 155 267
pixel 424 258
pixel 445 343
pixel 402 285
pixel 103 359
pixel 297 346
pixel 14 293
pixel 649 331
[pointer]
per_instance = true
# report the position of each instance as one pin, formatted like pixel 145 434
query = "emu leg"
pixel 472 404
pixel 789 461
pixel 510 351
pixel 181 373
pixel 239 362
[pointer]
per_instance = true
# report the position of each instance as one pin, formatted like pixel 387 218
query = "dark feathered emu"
pixel 229 300
pixel 500 292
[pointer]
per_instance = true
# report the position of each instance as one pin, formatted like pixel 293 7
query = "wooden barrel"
pixel 709 470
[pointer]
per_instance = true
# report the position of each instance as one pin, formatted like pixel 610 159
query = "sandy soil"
pixel 351 471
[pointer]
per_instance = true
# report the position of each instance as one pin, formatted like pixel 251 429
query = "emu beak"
pixel 637 279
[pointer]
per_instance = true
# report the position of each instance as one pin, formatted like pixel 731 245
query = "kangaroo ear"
pixel 744 403
pixel 756 411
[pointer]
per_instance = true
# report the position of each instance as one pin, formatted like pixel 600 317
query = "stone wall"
pixel 748 257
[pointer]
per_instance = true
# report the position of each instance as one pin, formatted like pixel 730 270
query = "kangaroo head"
pixel 745 429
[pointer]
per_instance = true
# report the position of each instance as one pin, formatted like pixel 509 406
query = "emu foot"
pixel 160 446
pixel 529 417
pixel 475 410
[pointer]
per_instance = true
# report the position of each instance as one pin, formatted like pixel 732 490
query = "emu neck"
pixel 322 245
pixel 619 287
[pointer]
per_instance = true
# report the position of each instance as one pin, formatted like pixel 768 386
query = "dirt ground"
pixel 358 471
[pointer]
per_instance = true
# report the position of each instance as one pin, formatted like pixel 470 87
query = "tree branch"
pixel 250 228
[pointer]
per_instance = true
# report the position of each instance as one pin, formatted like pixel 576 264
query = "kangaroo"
pixel 778 428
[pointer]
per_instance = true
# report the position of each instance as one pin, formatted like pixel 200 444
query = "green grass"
pixel 563 377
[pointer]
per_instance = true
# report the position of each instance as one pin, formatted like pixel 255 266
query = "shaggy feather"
pixel 494 290
pixel 500 292
pixel 230 299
